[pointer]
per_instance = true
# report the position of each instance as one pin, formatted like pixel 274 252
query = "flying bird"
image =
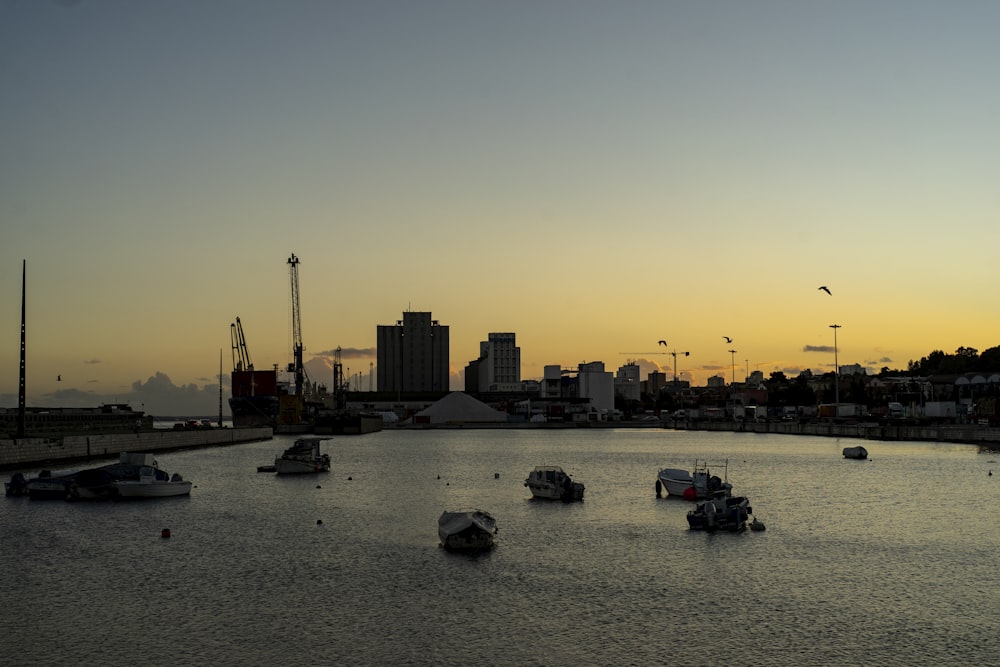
pixel 826 289
pixel 663 343
pixel 728 339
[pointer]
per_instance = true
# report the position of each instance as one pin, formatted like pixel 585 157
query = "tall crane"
pixel 241 356
pixel 296 366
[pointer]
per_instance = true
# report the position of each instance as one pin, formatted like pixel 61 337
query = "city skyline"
pixel 593 177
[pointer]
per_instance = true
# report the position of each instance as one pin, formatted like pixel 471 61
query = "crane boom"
pixel 241 355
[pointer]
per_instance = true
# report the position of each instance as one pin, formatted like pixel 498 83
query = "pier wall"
pixel 958 433
pixel 28 452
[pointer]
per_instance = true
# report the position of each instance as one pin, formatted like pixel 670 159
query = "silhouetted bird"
pixel 59 378
pixel 826 289
pixel 728 339
pixel 663 343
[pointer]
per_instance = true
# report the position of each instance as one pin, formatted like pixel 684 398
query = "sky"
pixel 592 176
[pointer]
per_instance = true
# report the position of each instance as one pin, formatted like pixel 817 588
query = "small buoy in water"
pixel 496 475
pixel 319 522
pixel 165 532
pixel 318 486
pixel 439 476
pixel 757 524
pixel 991 473
pixel 349 478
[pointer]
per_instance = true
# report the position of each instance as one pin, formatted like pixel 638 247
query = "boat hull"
pixel 676 482
pixel 294 467
pixel 158 489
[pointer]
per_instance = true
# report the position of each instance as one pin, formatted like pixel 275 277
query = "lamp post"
pixel 836 374
pixel 732 359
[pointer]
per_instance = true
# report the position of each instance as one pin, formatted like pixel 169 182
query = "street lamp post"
pixel 836 374
pixel 732 360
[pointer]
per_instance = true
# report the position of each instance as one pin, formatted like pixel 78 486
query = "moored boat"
pixel 858 452
pixel 152 483
pixel 467 530
pixel 48 486
pixel 720 512
pixel 552 483
pixel 302 457
pixel 105 482
pixel 696 485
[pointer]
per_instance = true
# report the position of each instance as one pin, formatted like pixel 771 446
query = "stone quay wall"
pixel 984 436
pixel 29 452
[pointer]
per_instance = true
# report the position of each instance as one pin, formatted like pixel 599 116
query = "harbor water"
pixel 889 561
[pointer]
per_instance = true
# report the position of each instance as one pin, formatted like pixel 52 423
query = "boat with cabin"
pixel 302 457
pixel 553 483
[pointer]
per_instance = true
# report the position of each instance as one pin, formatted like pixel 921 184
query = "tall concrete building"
pixel 627 382
pixel 412 355
pixel 498 368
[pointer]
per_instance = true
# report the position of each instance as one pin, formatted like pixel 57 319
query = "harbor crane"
pixel 241 356
pixel 296 366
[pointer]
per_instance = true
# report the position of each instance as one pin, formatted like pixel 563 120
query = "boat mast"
pixel 220 387
pixel 20 388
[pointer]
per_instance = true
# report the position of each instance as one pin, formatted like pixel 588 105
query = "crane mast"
pixel 296 366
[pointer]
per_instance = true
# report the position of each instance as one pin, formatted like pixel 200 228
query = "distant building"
pixel 412 355
pixel 716 381
pixel 551 385
pixel 596 384
pixel 627 382
pixel 498 368
pixel 656 381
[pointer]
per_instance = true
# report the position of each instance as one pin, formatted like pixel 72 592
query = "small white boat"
pixel 696 485
pixel 858 452
pixel 302 457
pixel 552 483
pixel 467 530
pixel 152 485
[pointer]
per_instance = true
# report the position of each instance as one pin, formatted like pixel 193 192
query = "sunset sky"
pixel 593 176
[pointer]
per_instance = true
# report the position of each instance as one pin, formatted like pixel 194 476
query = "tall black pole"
pixel 20 388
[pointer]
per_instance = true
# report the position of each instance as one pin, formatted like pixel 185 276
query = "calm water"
pixel 892 561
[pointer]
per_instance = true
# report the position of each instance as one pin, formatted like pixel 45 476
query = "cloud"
pixel 817 348
pixel 157 396
pixel 349 353
pixel 93 361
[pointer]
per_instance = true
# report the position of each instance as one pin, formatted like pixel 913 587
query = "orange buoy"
pixel 165 532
